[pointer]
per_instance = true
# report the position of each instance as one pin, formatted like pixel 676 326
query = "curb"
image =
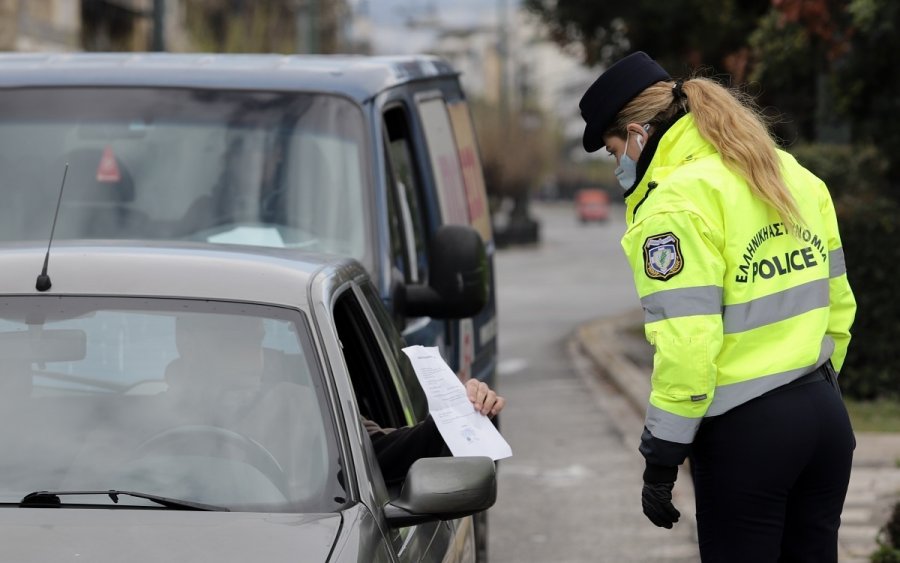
pixel 604 342
pixel 600 340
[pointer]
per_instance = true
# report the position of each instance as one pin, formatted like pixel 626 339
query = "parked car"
pixel 160 403
pixel 592 205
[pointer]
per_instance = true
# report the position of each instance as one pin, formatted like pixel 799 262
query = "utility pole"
pixel 503 55
pixel 309 13
pixel 159 25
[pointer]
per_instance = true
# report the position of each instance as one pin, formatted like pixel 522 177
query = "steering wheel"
pixel 215 441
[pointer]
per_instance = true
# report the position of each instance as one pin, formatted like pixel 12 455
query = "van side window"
pixel 410 217
pixel 445 163
pixel 401 260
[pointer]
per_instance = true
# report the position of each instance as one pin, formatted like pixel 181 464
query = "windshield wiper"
pixel 50 499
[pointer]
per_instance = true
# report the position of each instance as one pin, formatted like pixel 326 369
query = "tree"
pixel 831 59
pixel 9 24
pixel 793 52
pixel 867 82
pixel 514 150
pixel 265 26
pixel 786 74
pixel 683 35
pixel 240 27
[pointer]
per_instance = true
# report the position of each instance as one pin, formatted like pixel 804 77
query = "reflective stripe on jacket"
pixel 734 304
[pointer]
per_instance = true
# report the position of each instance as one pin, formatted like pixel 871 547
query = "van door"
pixel 459 183
pixel 434 178
pixel 412 218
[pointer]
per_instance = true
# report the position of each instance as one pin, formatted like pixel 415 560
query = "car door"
pixel 387 392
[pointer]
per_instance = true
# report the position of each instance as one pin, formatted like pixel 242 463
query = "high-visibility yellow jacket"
pixel 734 304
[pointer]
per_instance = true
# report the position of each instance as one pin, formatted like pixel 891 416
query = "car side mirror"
pixel 444 488
pixel 457 279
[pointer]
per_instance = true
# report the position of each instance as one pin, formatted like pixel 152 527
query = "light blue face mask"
pixel 626 172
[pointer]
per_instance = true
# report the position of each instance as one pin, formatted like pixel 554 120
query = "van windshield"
pixel 234 167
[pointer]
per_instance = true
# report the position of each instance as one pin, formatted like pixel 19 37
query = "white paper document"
pixel 466 431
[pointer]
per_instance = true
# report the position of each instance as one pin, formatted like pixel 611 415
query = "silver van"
pixel 365 157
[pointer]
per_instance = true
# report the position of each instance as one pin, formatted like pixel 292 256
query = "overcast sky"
pixel 389 18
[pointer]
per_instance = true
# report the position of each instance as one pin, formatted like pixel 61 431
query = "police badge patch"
pixel 662 256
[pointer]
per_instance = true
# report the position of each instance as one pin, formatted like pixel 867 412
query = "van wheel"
pixel 481 536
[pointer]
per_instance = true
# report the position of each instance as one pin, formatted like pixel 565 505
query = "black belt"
pixel 824 372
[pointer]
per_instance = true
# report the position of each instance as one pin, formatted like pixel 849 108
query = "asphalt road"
pixel 571 491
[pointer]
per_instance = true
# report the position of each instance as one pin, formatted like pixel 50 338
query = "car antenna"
pixel 43 280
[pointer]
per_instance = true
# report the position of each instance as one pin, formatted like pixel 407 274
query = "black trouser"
pixel 770 477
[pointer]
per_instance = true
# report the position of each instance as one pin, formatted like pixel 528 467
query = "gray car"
pixel 191 402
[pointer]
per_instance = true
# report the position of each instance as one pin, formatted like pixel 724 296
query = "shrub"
pixel 886 554
pixel 845 169
pixel 892 528
pixel 869 232
pixel 889 540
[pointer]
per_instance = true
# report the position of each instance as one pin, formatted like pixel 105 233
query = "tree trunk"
pixel 9 24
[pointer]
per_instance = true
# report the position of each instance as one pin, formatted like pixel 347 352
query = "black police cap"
pixel 612 91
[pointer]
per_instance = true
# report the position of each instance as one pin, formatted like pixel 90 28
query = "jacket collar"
pixel 671 147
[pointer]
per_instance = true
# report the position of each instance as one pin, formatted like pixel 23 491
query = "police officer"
pixel 738 264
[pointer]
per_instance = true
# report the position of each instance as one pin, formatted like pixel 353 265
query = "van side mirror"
pixel 457 278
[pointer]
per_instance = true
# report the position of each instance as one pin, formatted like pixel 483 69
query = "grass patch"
pixel 881 415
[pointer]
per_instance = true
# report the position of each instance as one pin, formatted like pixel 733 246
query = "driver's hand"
pixel 484 399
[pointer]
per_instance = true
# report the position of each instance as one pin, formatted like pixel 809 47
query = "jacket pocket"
pixel 682 368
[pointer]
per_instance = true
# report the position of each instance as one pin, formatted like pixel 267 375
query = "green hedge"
pixel 870 231
pixel 847 169
pixel 889 540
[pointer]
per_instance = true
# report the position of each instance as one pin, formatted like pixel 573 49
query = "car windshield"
pixel 233 167
pixel 205 402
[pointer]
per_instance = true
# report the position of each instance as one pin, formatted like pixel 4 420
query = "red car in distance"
pixel 592 205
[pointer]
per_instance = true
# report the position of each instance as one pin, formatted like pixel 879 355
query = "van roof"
pixel 357 76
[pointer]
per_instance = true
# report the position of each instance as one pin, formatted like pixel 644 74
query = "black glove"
pixel 656 498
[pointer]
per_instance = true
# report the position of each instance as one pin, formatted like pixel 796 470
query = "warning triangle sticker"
pixel 108 169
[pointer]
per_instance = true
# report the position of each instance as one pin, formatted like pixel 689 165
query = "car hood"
pixel 101 535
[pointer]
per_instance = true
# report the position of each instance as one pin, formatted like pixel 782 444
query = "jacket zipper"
pixel 650 187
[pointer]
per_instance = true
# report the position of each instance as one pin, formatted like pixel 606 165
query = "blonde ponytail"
pixel 740 136
pixel 728 121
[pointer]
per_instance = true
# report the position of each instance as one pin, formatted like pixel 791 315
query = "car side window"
pixel 406 193
pixel 369 371
pixel 412 390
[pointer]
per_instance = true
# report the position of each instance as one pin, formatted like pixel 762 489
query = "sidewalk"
pixel 617 348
